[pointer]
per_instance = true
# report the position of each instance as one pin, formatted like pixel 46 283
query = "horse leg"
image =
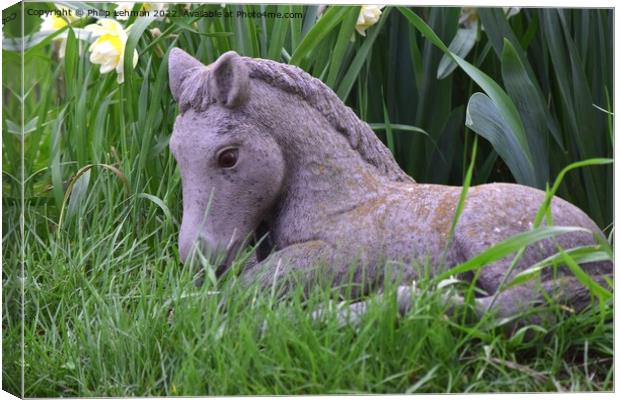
pixel 525 304
pixel 352 313
pixel 516 304
pixel 294 265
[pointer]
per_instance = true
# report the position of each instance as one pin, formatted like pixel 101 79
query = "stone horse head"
pixel 254 135
pixel 266 150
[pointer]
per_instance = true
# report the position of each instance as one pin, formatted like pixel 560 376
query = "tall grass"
pixel 109 311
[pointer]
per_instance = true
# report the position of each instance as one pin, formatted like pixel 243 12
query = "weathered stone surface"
pixel 329 193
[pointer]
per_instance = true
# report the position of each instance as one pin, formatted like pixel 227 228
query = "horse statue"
pixel 267 151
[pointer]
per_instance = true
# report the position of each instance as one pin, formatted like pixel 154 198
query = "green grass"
pixel 110 313
pixel 108 308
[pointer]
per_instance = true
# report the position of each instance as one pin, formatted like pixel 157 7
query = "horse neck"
pixel 315 192
pixel 325 175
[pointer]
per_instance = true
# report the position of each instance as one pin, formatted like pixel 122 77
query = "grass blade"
pixel 462 199
pixel 136 31
pixel 328 22
pixel 78 194
pixel 580 255
pixel 278 34
pixel 398 127
pixel 342 43
pixel 388 130
pixel 585 279
pixel 507 247
pixel 558 180
pixel 159 203
pixel 360 58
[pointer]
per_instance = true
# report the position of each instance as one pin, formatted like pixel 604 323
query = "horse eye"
pixel 227 158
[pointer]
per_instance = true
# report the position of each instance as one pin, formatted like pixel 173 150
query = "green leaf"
pixel 278 34
pixel 497 28
pixel 55 165
pixel 29 127
pixel 28 43
pixel 184 26
pixel 503 105
pixel 329 21
pixel 310 19
pixel 484 118
pixel 529 35
pixel 78 194
pixel 83 185
pixel 71 55
pixel 250 32
pixel 442 160
pixel 501 100
pixel 342 43
pixel 531 107
pixel 360 58
pixel 461 45
pixel 423 28
pixel 296 25
pixel 416 58
pixel 135 32
pixel 99 128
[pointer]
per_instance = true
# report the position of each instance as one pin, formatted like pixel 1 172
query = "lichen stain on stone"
pixel 444 214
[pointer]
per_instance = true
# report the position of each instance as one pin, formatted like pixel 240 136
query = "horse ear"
pixel 179 62
pixel 230 80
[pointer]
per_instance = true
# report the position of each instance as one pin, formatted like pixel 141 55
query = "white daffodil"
pixel 369 15
pixel 108 49
pixel 511 11
pixel 53 22
pixel 155 6
pixel 469 15
pixel 123 9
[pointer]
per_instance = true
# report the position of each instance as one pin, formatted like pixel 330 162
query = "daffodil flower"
pixel 154 6
pixel 108 49
pixel 511 11
pixel 52 22
pixel 124 8
pixel 469 15
pixel 369 15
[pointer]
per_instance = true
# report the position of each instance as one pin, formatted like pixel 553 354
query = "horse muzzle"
pixel 203 253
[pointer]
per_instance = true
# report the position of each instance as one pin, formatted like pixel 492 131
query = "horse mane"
pixel 293 80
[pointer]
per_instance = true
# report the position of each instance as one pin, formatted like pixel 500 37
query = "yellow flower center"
pixel 58 22
pixel 114 41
